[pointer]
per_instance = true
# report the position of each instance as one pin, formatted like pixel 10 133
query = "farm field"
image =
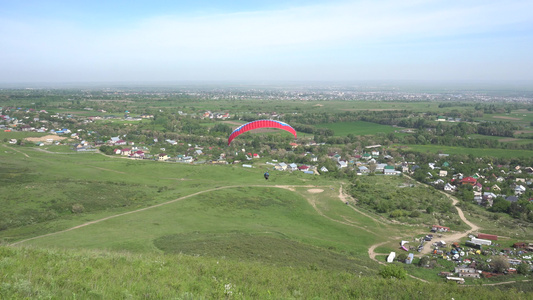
pixel 478 152
pixel 357 128
pixel 520 117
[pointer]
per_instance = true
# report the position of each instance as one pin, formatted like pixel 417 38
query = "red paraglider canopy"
pixel 261 124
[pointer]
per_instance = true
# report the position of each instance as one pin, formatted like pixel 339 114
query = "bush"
pixel 523 269
pixel 401 257
pixel 390 271
pixel 77 208
pixel 397 213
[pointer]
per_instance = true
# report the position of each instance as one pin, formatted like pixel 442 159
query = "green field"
pixel 357 128
pixel 478 152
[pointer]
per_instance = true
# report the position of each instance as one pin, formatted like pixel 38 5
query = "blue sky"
pixel 142 41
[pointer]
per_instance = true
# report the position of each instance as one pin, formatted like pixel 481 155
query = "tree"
pixel 500 205
pixel 401 257
pixel 423 261
pixel 500 264
pixel 523 269
pixel 390 271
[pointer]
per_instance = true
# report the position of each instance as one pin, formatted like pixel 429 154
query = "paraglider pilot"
pixel 266 175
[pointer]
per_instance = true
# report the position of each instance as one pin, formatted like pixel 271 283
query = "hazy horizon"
pixel 58 42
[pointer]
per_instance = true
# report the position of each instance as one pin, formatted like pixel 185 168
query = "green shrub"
pixel 390 271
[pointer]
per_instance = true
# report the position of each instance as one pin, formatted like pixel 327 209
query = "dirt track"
pixel 44 138
pixel 454 237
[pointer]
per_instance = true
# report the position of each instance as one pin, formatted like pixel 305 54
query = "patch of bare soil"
pixel 507 140
pixel 523 131
pixel 232 123
pixel 45 138
pixel 371 109
pixel 315 191
pixel 506 118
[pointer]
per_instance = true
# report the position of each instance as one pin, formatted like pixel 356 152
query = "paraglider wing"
pixel 260 124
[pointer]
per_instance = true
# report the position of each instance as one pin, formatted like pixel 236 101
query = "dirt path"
pixel 372 251
pixel 104 169
pixel 347 198
pixel 346 222
pixel 454 237
pixel 17 150
pixel 427 247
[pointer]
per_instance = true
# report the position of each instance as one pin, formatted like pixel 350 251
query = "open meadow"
pixel 176 230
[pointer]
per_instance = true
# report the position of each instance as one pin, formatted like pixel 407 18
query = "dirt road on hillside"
pixel 453 237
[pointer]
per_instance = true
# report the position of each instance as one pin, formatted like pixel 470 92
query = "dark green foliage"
pixel 107 149
pixel 392 271
pixel 401 257
pixel 399 199
pixel 523 269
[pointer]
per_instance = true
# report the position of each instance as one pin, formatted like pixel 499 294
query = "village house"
pixel 363 170
pixel 380 168
pixel 464 271
pixel 342 164
pixel 389 170
pixel 303 168
pixel 162 157
pixel 437 228
pixel 469 180
pixel 187 159
pixel 449 187
pixel 519 190
pixel 512 199
pixel 126 151
pixel 281 166
pixel 137 154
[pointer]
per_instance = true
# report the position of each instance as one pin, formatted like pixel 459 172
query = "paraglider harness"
pixel 266 175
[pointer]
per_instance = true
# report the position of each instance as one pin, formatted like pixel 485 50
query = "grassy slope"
pixel 40 273
pixel 59 181
pixel 331 234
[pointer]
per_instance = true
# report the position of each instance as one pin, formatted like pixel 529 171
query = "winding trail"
pixel 454 236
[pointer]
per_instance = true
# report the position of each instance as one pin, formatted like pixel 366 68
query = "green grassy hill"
pixel 96 227
pixel 29 273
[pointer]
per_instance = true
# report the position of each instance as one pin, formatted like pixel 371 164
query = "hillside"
pixel 85 274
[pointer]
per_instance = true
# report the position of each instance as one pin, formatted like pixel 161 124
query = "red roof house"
pixel 469 180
